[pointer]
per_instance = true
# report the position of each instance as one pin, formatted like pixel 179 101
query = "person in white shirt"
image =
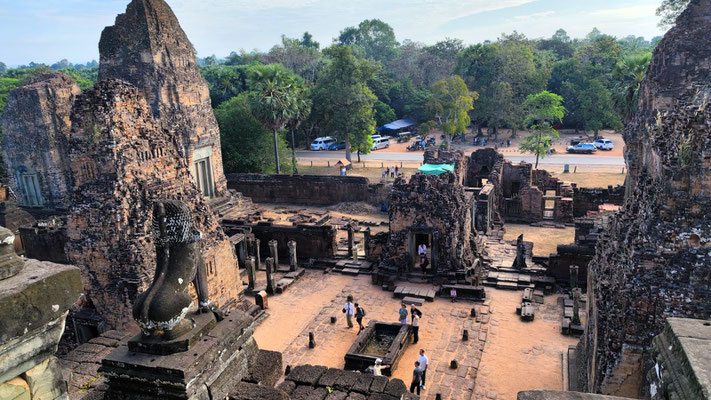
pixel 424 362
pixel 349 310
pixel 415 326
pixel 378 367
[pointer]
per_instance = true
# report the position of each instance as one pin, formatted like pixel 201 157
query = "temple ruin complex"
pixel 132 267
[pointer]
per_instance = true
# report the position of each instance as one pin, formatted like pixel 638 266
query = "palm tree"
pixel 629 74
pixel 302 111
pixel 275 100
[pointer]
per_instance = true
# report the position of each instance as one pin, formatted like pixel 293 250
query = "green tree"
pixel 246 144
pixel 276 93
pixel 597 108
pixel 344 101
pixel 383 113
pixel 301 113
pixel 670 10
pixel 304 60
pixel 543 110
pixel 226 81
pixel 307 40
pixel 3 68
pixel 374 37
pixel 450 103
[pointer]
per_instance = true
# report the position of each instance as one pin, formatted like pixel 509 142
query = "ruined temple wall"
pixel 122 161
pixel 35 125
pixel 652 262
pixel 306 189
pixel 589 199
pixel 147 48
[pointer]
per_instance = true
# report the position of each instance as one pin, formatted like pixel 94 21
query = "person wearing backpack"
pixel 359 314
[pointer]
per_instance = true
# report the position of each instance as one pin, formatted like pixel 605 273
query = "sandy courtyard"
pixel 500 346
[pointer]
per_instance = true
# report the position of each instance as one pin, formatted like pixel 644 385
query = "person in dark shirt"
pixel 416 378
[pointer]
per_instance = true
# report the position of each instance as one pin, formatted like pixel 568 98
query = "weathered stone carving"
pixel 161 310
pixel 10 263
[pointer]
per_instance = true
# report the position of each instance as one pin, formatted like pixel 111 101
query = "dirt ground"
pixel 510 347
pixel 545 240
pixel 521 355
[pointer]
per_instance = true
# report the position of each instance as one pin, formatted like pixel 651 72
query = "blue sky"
pixel 46 31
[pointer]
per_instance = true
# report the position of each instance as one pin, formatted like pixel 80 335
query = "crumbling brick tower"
pixel 147 48
pixel 654 259
pixel 432 210
pixel 122 160
pixel 35 125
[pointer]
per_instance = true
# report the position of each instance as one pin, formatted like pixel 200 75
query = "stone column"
pixel 242 253
pixel 576 307
pixel 293 262
pixel 257 258
pixel 573 277
pixel 274 253
pixel 351 240
pixel 269 265
pixel 251 273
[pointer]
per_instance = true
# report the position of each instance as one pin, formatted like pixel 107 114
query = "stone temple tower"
pixel 148 49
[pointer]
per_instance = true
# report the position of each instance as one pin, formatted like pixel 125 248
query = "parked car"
pixel 337 146
pixel 380 143
pixel 584 148
pixel 604 144
pixel 322 143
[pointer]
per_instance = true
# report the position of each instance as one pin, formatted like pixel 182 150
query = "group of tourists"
pixel 419 374
pixel 392 172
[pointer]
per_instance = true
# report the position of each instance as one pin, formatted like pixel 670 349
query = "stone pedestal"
pixel 274 253
pixel 212 367
pixel 33 308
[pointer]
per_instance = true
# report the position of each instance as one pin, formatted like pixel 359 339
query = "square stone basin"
pixel 386 341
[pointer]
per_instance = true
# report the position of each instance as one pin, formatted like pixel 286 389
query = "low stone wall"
pixel 316 190
pixel 45 243
pixel 589 199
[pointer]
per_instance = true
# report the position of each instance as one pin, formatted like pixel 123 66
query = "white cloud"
pixel 640 11
pixel 538 15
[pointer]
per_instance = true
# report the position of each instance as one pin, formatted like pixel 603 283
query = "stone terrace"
pixel 309 304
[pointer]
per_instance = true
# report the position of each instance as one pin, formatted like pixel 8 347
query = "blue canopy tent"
pixel 396 125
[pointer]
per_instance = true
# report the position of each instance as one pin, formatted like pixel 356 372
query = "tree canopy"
pixel 542 111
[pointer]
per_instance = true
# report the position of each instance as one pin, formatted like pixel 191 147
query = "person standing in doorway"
pixel 416 379
pixel 349 310
pixel 424 362
pixel 403 314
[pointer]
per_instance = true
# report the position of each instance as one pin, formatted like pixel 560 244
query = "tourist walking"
pixel 396 170
pixel 392 172
pixel 424 362
pixel 359 314
pixel 385 174
pixel 416 379
pixel 403 314
pixel 453 294
pixel 349 310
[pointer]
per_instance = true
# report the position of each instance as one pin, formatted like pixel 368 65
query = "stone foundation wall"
pixel 45 243
pixel 306 189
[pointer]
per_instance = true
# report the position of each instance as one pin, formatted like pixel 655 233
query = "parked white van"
pixel 322 143
pixel 380 142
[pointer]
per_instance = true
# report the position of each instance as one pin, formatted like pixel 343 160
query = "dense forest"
pixel 299 90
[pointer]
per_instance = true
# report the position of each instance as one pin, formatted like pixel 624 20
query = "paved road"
pixel 557 159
